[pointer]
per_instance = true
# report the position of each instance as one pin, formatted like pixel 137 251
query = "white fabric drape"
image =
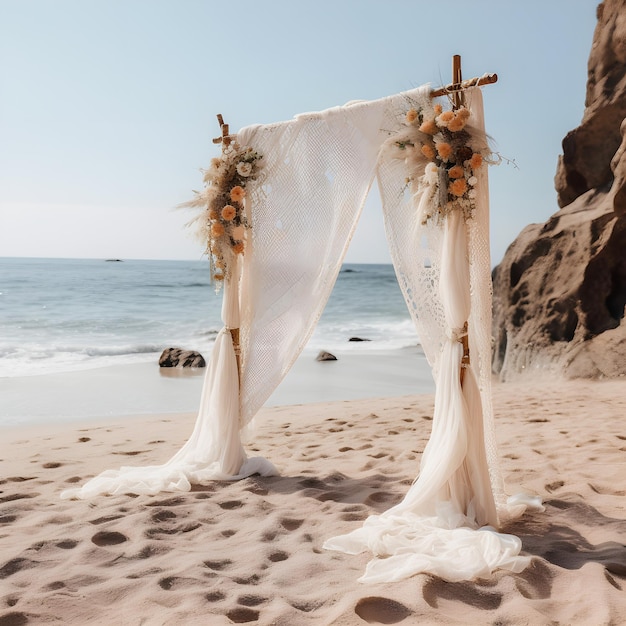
pixel 445 524
pixel 316 172
pixel 214 450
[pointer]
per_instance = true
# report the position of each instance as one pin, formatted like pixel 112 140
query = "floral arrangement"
pixel 444 153
pixel 223 222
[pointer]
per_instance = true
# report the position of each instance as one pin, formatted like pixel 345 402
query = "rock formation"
pixel 560 291
pixel 177 357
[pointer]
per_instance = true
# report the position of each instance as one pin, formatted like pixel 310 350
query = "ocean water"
pixel 61 315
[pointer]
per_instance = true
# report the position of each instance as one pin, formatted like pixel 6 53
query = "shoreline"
pixel 146 389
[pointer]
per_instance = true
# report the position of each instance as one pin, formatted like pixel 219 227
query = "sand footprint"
pixel 15 618
pixel 162 515
pixel 377 610
pixel 291 524
pixel 551 487
pixel 253 579
pixel 230 505
pixel 108 538
pixel 219 565
pixel 251 600
pixel 18 496
pixel 378 497
pixel 153 533
pixel 172 582
pixel 437 589
pixel 16 565
pixel 242 615
pixel 279 555
pixel 215 596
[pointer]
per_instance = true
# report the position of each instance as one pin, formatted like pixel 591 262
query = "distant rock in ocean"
pixel 177 357
pixel 560 290
pixel 358 339
pixel 113 260
pixel 325 356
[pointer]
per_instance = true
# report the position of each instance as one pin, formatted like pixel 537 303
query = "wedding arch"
pixel 278 211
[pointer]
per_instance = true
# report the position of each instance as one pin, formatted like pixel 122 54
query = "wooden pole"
pixel 458 100
pixel 458 97
pixel 225 139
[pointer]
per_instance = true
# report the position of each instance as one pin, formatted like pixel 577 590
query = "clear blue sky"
pixel 107 107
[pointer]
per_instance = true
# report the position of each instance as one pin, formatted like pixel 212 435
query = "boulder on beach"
pixel 325 356
pixel 177 357
pixel 560 290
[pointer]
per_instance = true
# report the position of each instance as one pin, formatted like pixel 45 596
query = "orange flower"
pixel 238 247
pixel 237 194
pixel 456 124
pixel 456 172
pixel 428 151
pixel 429 127
pixel 476 161
pixel 463 113
pixel 218 277
pixel 445 117
pixel 437 108
pixel 411 116
pixel 458 187
pixel 444 150
pixel 217 229
pixel 229 212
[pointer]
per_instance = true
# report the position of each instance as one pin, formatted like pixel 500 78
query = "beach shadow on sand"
pixel 377 491
pixel 552 537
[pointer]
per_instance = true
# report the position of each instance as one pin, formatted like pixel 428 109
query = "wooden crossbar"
pixel 458 84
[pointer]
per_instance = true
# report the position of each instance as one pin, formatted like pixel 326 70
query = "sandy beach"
pixel 250 551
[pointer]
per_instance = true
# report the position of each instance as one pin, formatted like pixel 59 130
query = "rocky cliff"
pixel 560 291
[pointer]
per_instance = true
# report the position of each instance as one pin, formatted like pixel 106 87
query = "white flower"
pixel 472 193
pixel 244 168
pixel 472 180
pixel 431 174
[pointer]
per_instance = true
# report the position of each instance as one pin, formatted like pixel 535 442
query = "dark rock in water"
pixel 113 260
pixel 325 356
pixel 560 290
pixel 177 357
pixel 358 339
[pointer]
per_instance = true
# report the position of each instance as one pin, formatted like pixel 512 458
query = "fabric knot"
pixel 457 334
